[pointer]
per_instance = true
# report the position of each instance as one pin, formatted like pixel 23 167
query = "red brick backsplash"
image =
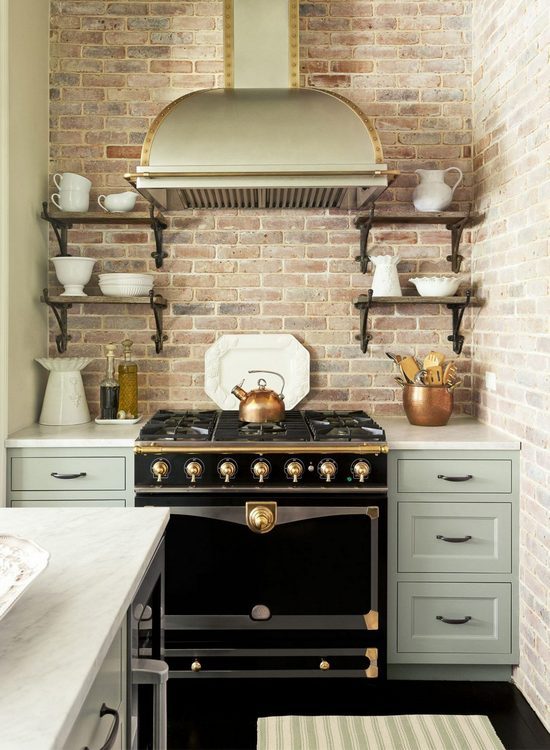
pixel 407 64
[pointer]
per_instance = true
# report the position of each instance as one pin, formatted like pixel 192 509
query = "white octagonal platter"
pixel 228 361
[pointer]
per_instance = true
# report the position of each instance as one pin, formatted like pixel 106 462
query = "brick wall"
pixel 511 259
pixel 114 65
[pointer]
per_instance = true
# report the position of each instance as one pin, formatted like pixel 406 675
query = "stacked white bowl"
pixel 125 284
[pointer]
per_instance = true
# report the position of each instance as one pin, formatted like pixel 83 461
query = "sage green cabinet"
pixel 57 477
pixel 452 563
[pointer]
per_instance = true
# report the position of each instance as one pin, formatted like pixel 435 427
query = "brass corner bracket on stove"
pixel 372 656
pixel 371 620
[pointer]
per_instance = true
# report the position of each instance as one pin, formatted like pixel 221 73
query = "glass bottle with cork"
pixel 109 388
pixel 127 378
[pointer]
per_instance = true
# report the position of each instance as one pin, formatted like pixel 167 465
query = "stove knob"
pixel 227 469
pixel 261 470
pixel 294 469
pixel 194 469
pixel 327 469
pixel 160 469
pixel 361 470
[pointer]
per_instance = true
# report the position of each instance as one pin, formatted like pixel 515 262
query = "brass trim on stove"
pixel 372 656
pixel 371 621
pixel 262 448
pixel 261 517
pixel 373 512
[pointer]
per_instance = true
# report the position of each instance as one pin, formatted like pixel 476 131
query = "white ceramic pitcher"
pixel 385 282
pixel 433 193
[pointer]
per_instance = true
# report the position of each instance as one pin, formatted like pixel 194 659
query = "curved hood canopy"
pixel 261 147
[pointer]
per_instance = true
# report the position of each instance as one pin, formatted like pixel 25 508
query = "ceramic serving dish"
pixel 21 561
pixel 436 286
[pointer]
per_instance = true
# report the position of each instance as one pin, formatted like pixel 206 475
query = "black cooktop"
pixel 297 426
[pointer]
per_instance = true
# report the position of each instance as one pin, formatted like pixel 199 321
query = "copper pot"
pixel 262 404
pixel 429 406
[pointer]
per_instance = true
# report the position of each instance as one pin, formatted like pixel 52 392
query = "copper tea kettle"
pixel 262 404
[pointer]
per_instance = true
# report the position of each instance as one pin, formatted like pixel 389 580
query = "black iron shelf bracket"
pixel 458 313
pixel 158 226
pixel 456 229
pixel 364 229
pixel 158 304
pixel 364 306
pixel 60 311
pixel 59 227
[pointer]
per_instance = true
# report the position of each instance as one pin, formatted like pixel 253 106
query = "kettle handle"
pixel 273 373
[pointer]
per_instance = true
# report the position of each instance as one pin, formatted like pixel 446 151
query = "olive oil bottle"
pixel 127 379
pixel 108 388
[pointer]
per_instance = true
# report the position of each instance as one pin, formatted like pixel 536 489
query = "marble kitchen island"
pixel 55 638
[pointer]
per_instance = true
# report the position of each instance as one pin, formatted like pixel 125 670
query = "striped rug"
pixel 422 732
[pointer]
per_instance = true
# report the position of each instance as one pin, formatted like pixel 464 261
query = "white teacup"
pixel 71 181
pixel 72 200
pixel 118 202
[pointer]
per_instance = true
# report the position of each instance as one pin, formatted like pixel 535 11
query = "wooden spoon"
pixel 435 375
pixel 409 368
pixel 449 373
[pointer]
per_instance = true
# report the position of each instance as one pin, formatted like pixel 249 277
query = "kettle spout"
pixel 239 392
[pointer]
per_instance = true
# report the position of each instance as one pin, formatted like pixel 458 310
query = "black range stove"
pixel 276 545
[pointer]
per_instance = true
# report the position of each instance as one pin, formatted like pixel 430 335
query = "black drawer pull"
pixel 55 475
pixel 447 620
pixel 455 479
pixel 110 741
pixel 454 539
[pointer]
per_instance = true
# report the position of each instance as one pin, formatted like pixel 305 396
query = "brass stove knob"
pixel 327 469
pixel 227 469
pixel 361 470
pixel 160 469
pixel 194 469
pixel 196 666
pixel 261 470
pixel 324 665
pixel 261 519
pixel 294 469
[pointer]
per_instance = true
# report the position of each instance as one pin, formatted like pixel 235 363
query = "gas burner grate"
pixel 343 426
pixel 231 429
pixel 179 425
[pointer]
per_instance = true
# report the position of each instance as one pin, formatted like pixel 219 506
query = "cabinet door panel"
pixel 455 537
pixel 48 503
pixel 454 476
pixel 467 618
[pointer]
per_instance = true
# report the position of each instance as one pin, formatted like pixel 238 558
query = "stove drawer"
pixel 454 537
pixel 452 618
pixel 274 662
pixel 454 476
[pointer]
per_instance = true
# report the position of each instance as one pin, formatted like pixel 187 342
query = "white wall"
pixel 24 30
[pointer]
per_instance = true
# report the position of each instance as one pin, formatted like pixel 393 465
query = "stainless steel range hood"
pixel 261 142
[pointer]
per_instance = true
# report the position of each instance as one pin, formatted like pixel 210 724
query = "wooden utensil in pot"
pixel 433 359
pixel 434 375
pixel 449 374
pixel 409 368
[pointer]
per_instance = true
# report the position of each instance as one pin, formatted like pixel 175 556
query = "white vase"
pixel 65 399
pixel 385 282
pixel 433 193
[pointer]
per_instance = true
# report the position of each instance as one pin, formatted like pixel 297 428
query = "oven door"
pixel 272 572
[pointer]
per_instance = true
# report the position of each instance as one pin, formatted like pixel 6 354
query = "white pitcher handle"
pixel 56 204
pixel 457 183
pixel 57 184
pixel 101 204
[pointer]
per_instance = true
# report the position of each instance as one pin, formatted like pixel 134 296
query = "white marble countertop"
pixel 54 639
pixel 461 433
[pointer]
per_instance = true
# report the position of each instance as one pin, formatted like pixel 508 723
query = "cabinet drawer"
pixel 31 473
pixel 482 612
pixel 90 730
pixel 437 475
pixel 48 503
pixel 433 537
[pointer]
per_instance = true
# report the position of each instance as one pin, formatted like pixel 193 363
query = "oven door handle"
pixel 285 514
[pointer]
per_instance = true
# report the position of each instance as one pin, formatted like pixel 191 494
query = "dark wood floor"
pixel 222 716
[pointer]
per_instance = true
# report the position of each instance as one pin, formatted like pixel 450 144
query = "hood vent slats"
pixel 261 198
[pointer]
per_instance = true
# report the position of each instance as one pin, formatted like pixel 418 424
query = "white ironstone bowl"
pixel 436 286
